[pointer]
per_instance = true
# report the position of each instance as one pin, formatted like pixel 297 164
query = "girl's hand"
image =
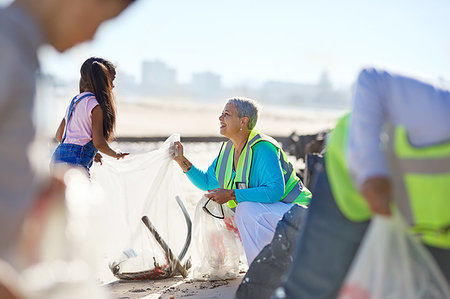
pixel 121 155
pixel 98 158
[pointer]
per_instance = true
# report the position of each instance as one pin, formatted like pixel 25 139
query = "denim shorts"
pixel 75 154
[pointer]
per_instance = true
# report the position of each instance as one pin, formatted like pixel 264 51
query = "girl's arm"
pixel 60 131
pixel 97 134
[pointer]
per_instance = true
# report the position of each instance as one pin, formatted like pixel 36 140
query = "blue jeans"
pixel 75 154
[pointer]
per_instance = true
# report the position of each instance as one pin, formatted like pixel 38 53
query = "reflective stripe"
pixel 223 165
pixel 246 161
pixel 287 167
pixel 401 167
pixel 400 192
pixel 294 193
pixel 429 166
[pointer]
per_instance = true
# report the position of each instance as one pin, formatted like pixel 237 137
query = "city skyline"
pixel 253 41
pixel 159 81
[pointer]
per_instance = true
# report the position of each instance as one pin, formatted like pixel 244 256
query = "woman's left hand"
pixel 220 195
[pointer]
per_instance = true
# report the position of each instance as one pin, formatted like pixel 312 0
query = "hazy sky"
pixel 258 40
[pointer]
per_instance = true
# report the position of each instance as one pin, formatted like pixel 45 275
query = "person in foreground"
pixel 90 118
pixel 418 148
pixel 25 25
pixel 251 173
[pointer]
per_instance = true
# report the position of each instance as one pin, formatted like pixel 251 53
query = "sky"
pixel 253 41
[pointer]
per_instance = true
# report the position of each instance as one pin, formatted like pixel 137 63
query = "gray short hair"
pixel 246 107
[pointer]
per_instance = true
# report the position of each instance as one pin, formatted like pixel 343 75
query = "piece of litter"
pixel 280 293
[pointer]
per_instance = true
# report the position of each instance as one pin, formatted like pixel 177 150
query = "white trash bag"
pixel 216 245
pixel 142 186
pixel 392 264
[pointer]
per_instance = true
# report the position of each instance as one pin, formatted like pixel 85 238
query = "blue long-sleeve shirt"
pixel 382 97
pixel 266 182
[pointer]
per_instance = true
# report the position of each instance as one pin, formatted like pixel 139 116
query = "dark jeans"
pixel 264 273
pixel 325 248
pixel 75 154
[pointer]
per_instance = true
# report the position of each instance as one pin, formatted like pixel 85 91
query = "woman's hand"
pixel 178 156
pixel 220 195
pixel 121 155
pixel 177 151
pixel 98 158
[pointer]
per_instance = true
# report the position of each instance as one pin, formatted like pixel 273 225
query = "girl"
pixel 90 119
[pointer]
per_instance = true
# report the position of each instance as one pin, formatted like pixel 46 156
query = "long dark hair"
pixel 97 75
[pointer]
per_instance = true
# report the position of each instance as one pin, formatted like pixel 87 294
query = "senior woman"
pixel 250 173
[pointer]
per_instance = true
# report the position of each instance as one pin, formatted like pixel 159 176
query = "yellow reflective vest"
pixel 295 191
pixel 421 180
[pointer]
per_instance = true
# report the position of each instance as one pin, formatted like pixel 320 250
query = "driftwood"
pixel 160 271
pixel 170 256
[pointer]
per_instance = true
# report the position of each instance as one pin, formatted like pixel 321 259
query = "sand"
pixel 175 288
pixel 159 118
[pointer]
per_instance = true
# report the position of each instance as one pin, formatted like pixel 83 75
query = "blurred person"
pixel 90 119
pixel 251 173
pixel 416 164
pixel 9 282
pixel 416 179
pixel 24 26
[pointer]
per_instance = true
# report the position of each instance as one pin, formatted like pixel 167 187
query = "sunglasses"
pixel 205 208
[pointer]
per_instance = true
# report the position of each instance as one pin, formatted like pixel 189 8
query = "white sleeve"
pixel 364 153
pixel 382 97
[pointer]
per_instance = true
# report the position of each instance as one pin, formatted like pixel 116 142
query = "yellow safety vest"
pixel 421 180
pixel 422 187
pixel 347 197
pixel 295 191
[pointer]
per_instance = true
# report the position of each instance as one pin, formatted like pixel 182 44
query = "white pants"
pixel 256 223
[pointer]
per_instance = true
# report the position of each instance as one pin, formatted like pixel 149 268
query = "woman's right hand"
pixel 177 151
pixel 178 156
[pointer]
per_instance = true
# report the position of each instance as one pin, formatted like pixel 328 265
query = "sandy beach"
pixel 162 118
pixel 174 287
pixel 149 117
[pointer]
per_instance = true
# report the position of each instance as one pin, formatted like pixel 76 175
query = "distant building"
pixel 287 92
pixel 206 85
pixel 125 84
pixel 157 78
